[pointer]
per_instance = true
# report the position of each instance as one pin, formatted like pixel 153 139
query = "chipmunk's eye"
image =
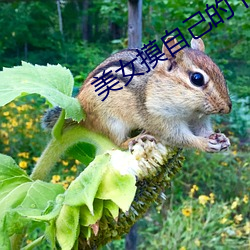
pixel 197 79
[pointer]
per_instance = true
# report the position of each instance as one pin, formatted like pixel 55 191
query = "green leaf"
pixel 14 198
pixel 86 231
pixel 50 234
pixel 83 189
pixel 83 152
pixel 118 188
pixel 112 208
pixel 14 223
pixel 6 186
pixel 86 218
pixel 9 168
pixel 67 226
pixel 53 82
pixel 20 197
pixel 4 240
pixel 39 194
pixel 46 216
pixel 26 202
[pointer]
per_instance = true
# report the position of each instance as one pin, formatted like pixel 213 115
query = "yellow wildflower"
pixel 245 199
pixel 73 168
pixel 14 123
pixel 22 108
pixel 23 164
pixel 183 248
pixel 197 242
pixel 70 178
pixel 6 149
pixel 238 218
pixel 4 134
pixel 224 164
pixel 235 203
pixel 203 199
pixel 35 159
pixel 234 152
pixel 247 227
pixel 24 154
pixel 6 113
pixel 77 162
pixel 238 233
pixel 29 124
pixel 223 220
pixel 211 195
pixel 55 178
pixel 6 141
pixel 12 105
pixel 187 211
pixel 65 185
pixel 65 163
pixel 193 190
pixel 223 235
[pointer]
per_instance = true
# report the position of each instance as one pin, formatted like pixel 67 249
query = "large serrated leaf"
pixel 39 194
pixel 83 189
pixel 86 218
pixel 67 226
pixel 21 197
pixel 14 198
pixel 9 184
pixel 9 168
pixel 118 188
pixel 53 82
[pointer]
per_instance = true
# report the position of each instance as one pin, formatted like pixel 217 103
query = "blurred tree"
pixel 134 23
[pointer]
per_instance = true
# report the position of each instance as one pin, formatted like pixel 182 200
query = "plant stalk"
pixel 56 147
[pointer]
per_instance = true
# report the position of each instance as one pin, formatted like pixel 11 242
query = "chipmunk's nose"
pixel 227 108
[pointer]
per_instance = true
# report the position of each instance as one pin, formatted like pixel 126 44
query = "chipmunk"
pixel 172 103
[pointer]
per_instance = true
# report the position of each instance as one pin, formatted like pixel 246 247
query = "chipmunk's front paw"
pixel 218 142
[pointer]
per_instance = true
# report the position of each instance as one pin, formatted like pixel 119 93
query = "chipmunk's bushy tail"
pixel 50 117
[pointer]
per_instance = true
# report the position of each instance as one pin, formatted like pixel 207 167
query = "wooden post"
pixel 134 23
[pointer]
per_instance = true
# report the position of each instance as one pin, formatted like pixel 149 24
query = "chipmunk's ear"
pixel 198 44
pixel 171 42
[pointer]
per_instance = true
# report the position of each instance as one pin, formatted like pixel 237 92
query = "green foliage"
pixel 19 198
pixel 52 82
pixel 200 223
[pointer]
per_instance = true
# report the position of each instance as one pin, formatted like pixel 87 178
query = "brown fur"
pixel 163 102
